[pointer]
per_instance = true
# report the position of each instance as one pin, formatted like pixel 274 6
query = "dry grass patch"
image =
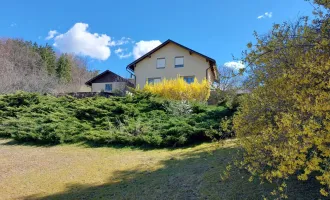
pixel 80 172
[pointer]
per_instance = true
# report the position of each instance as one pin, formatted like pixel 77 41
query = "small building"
pixel 109 82
pixel 170 60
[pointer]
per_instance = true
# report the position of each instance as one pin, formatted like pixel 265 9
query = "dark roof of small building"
pixel 108 76
pixel 132 65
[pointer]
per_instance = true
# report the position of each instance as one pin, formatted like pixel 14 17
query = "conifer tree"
pixel 48 56
pixel 63 68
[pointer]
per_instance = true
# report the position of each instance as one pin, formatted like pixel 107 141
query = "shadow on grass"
pixel 195 175
pixel 89 144
pixel 12 142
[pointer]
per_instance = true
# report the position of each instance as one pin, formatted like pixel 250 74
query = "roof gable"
pixel 106 76
pixel 132 65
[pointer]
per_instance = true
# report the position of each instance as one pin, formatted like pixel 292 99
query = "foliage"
pixel 63 68
pixel 178 89
pixel 139 119
pixel 284 124
pixel 37 68
pixel 178 107
pixel 227 98
pixel 227 91
pixel 48 56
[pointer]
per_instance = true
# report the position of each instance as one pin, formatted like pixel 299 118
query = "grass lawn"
pixel 80 172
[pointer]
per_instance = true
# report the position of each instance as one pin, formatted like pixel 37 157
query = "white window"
pixel 160 63
pixel 154 80
pixel 178 61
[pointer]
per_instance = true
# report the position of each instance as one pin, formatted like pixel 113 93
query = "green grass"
pixel 82 172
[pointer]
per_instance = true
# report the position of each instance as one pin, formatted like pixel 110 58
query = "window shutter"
pixel 179 61
pixel 160 62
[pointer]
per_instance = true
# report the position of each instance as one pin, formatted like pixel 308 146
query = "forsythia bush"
pixel 284 124
pixel 179 89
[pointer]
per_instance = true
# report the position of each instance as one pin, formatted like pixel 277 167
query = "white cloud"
pixel 119 50
pixel 51 34
pixel 78 40
pixel 121 53
pixel 267 14
pixel 235 65
pixel 13 24
pixel 122 41
pixel 144 47
pixel 122 56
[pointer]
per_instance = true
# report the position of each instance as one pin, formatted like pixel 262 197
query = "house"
pixel 108 82
pixel 170 60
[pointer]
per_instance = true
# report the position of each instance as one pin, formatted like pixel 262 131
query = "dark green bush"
pixel 141 119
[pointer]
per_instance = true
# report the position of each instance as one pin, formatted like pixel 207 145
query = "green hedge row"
pixel 140 119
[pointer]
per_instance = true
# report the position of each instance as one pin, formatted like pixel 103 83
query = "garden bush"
pixel 142 119
pixel 179 89
pixel 283 125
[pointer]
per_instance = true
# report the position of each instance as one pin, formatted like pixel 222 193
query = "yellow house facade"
pixel 170 60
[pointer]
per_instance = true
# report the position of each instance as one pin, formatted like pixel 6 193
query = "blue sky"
pixel 111 34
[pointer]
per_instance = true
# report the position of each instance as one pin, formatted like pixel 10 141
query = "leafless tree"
pixel 79 73
pixel 229 79
pixel 22 68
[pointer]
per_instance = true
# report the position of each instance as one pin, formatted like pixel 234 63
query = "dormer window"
pixel 178 61
pixel 160 63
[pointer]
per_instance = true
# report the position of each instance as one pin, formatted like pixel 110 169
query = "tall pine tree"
pixel 63 68
pixel 49 58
